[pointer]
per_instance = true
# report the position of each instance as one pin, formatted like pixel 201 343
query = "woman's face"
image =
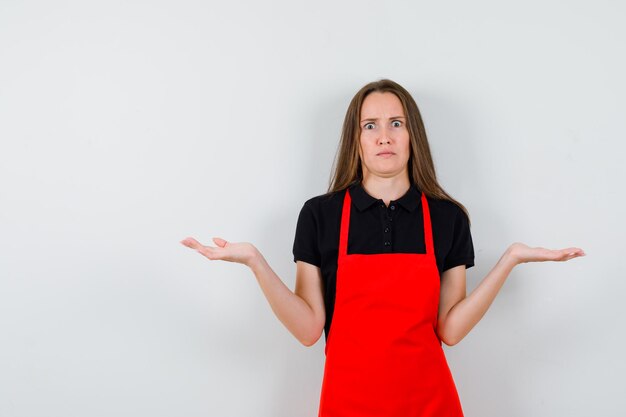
pixel 384 139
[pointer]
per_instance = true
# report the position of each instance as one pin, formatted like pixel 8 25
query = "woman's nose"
pixel 384 136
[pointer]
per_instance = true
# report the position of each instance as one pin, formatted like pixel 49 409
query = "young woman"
pixel 381 260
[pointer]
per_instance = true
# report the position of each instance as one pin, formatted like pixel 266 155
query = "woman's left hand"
pixel 523 253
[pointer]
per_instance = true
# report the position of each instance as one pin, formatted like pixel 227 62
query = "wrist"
pixel 510 257
pixel 256 260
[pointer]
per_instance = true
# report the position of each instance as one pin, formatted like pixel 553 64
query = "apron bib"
pixel 383 356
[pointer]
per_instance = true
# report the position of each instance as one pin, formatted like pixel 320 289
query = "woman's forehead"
pixel 385 105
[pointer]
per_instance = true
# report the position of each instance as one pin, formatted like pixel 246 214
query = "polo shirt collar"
pixel 362 200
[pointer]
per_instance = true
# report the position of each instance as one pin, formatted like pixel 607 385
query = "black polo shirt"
pixel 377 228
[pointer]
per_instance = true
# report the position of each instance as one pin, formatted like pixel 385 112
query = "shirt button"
pixel 392 207
pixel 387 243
pixel 386 229
pixel 390 219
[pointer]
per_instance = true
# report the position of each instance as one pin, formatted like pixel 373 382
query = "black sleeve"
pixel 305 245
pixel 462 250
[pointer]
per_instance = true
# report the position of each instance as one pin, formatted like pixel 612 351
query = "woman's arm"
pixel 459 313
pixel 302 311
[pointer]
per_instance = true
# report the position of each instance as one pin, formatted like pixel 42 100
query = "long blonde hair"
pixel 347 165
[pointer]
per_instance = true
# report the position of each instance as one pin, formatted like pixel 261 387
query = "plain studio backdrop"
pixel 128 126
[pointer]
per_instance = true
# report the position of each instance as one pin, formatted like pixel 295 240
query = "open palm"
pixel 241 252
pixel 524 253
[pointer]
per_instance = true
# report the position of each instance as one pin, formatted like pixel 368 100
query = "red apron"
pixel 383 355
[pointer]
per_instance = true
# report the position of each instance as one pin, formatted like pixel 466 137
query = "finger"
pixel 219 241
pixel 192 243
pixel 571 253
pixel 210 252
pixel 575 252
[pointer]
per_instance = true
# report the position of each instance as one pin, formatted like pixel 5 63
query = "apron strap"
pixel 345 223
pixel 428 230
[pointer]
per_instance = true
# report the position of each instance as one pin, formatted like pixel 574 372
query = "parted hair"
pixel 347 164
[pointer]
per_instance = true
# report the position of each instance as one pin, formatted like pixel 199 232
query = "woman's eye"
pixel 368 124
pixel 399 123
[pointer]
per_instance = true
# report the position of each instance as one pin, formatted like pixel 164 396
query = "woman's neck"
pixel 386 189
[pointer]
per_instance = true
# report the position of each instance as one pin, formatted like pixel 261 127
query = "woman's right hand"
pixel 302 312
pixel 241 252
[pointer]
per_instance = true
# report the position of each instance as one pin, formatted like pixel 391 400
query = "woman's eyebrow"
pixel 393 117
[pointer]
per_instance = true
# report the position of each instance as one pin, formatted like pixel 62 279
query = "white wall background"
pixel 127 126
